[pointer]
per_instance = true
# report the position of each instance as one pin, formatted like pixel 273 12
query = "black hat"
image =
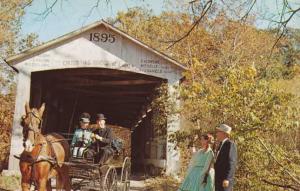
pixel 84 116
pixel 85 120
pixel 100 116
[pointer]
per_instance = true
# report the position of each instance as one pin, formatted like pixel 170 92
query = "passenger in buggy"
pixel 82 138
pixel 101 147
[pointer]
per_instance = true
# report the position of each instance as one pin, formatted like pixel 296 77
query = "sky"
pixel 69 15
pixel 266 9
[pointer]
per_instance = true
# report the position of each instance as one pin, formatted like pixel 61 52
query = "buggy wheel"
pixel 110 180
pixel 125 174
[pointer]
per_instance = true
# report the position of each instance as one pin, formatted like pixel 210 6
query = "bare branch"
pixel 244 18
pixel 295 179
pixel 27 4
pixel 282 28
pixel 206 8
pixel 48 10
pixel 281 186
pixel 282 22
pixel 92 9
pixel 96 6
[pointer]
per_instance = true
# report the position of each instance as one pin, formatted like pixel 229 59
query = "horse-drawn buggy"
pixel 86 175
pixel 114 175
pixel 48 156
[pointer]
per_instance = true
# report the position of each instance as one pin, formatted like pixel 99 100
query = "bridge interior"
pixel 121 96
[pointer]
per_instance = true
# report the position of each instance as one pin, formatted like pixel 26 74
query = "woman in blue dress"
pixel 200 175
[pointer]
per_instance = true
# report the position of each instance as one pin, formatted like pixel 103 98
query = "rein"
pixel 36 133
pixel 41 146
pixel 45 142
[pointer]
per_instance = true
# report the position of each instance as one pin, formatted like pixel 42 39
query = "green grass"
pixel 293 85
pixel 10 182
pixel 162 183
pixel 290 86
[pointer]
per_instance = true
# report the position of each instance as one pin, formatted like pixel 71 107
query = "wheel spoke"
pixel 110 180
pixel 125 174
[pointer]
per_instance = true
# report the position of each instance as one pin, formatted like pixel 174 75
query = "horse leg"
pixel 59 181
pixel 49 185
pixel 41 175
pixel 25 169
pixel 25 184
pixel 42 184
pixel 62 179
pixel 65 177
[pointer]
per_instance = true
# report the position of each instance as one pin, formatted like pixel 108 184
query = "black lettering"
pixel 104 37
pixel 96 37
pixel 112 38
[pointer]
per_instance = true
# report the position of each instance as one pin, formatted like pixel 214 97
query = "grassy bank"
pixel 10 182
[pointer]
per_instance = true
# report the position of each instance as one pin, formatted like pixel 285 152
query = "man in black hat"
pixel 103 136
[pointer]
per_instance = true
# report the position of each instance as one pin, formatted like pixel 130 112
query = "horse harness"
pixel 39 158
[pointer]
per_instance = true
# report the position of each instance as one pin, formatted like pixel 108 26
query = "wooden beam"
pixel 117 88
pixel 108 94
pixel 107 99
pixel 88 82
pixel 120 101
pixel 82 71
pixel 114 106
pixel 92 72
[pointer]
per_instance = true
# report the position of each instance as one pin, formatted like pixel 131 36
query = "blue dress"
pixel 199 165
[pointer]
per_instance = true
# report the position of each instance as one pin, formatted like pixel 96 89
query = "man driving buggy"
pixel 102 134
pixel 82 138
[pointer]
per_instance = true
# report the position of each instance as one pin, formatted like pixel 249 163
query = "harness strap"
pixel 52 152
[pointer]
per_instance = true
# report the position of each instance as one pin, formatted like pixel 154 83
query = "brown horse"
pixel 43 156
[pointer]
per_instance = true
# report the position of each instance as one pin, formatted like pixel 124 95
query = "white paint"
pixel 173 155
pixel 123 54
pixel 23 93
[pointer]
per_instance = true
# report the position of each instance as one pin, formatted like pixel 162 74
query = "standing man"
pixel 103 136
pixel 226 159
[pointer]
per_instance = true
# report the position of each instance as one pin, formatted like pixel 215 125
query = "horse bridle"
pixel 35 131
pixel 30 128
pixel 40 124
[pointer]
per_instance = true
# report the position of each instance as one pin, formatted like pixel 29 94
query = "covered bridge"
pixel 97 68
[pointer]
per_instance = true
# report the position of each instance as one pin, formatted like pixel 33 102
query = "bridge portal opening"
pixel 120 95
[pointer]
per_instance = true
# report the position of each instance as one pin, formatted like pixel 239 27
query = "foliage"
pixel 6 116
pixel 162 104
pixel 11 42
pixel 10 182
pixel 11 13
pixel 232 79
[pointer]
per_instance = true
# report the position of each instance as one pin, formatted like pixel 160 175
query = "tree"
pixel 11 12
pixel 242 11
pixel 231 79
pixel 200 10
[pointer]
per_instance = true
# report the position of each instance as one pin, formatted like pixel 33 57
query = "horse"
pixel 44 156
